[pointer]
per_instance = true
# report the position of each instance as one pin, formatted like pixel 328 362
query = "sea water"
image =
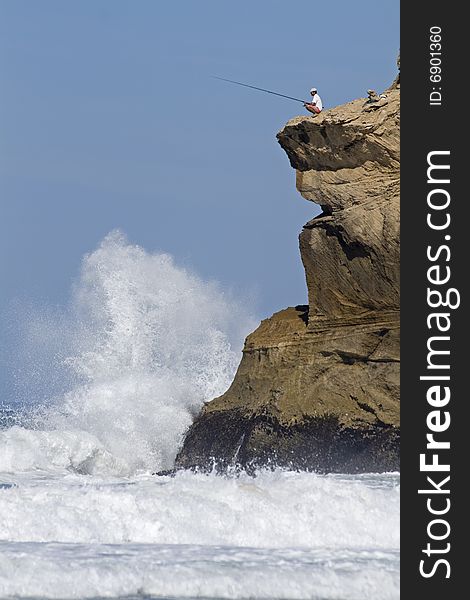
pixel 123 371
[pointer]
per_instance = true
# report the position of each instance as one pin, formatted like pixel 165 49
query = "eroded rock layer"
pixel 318 385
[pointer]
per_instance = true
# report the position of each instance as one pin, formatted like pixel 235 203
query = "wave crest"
pixel 150 343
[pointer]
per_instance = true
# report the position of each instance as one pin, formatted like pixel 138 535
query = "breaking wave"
pixel 143 345
pixel 276 509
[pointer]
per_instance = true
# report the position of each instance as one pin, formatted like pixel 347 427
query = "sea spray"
pixel 145 344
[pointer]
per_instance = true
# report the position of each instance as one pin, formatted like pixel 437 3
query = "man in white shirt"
pixel 316 105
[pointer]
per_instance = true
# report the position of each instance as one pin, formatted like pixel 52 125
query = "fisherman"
pixel 316 105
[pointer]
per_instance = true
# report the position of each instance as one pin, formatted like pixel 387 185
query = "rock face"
pixel 318 385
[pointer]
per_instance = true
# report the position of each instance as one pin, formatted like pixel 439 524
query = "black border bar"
pixel 434 232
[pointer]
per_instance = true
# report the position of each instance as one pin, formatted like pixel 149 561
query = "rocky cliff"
pixel 318 385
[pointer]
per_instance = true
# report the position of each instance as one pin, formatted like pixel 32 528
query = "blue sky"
pixel 109 119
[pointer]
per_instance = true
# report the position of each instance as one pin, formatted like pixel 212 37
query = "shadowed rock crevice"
pixel 318 386
pixel 351 248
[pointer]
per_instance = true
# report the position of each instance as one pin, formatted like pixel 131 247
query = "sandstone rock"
pixel 318 385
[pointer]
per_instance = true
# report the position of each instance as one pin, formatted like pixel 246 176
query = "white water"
pixel 142 346
pixel 280 535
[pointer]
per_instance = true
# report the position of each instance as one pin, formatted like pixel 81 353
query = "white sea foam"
pixel 276 509
pixel 150 343
pixel 140 572
pixel 279 535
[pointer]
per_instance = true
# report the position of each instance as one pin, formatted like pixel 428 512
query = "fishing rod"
pixel 259 89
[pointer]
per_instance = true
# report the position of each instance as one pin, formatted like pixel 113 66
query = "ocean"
pixel 114 381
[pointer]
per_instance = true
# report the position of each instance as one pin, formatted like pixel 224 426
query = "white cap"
pixel 314 89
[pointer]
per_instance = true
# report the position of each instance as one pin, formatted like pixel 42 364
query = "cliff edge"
pixel 318 386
